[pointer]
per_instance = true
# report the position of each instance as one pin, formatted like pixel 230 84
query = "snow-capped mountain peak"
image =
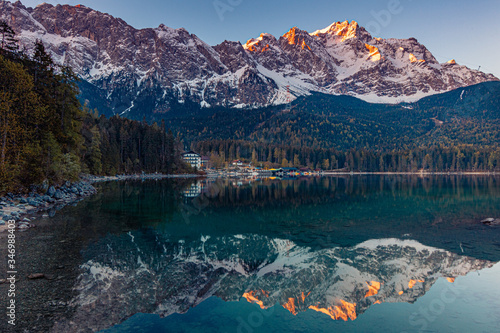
pixel 344 31
pixel 130 71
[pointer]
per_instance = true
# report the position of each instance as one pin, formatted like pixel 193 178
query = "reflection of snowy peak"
pixel 143 71
pixel 145 272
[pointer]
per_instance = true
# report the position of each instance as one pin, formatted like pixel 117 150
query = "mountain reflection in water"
pixel 331 246
pixel 146 272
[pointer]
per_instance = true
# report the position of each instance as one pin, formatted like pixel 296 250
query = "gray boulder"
pixel 33 202
pixel 51 191
pixel 58 195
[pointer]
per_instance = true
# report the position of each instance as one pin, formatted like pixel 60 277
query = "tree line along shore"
pixel 46 135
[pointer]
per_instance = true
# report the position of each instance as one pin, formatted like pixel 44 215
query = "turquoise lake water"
pixel 333 254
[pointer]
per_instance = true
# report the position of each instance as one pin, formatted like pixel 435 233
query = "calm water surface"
pixel 360 254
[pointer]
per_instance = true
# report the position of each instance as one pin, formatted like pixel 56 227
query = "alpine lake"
pixel 386 253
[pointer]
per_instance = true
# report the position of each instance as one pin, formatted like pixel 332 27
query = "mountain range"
pixel 137 72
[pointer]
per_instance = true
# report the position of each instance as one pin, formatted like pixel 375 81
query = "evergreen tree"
pixel 95 155
pixel 8 41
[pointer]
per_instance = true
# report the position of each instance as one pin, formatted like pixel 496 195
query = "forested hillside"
pixel 46 134
pixel 455 131
pixel 468 115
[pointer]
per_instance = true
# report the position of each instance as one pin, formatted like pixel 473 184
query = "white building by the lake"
pixel 194 159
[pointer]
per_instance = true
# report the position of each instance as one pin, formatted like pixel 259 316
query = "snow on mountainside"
pixel 148 70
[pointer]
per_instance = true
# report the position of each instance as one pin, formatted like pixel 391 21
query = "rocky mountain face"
pixel 150 272
pixel 150 71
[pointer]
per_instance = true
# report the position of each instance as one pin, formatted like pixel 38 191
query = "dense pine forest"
pixel 436 158
pixel 46 134
pixel 456 131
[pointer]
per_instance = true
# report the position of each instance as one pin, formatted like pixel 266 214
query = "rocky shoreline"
pixel 22 208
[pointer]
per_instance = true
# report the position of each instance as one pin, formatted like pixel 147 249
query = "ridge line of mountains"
pixel 149 72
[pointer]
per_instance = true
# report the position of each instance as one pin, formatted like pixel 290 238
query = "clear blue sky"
pixel 468 31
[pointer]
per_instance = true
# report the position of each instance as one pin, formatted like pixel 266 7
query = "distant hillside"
pixel 468 115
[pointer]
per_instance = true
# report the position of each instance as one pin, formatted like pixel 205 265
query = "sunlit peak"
pixel 343 30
